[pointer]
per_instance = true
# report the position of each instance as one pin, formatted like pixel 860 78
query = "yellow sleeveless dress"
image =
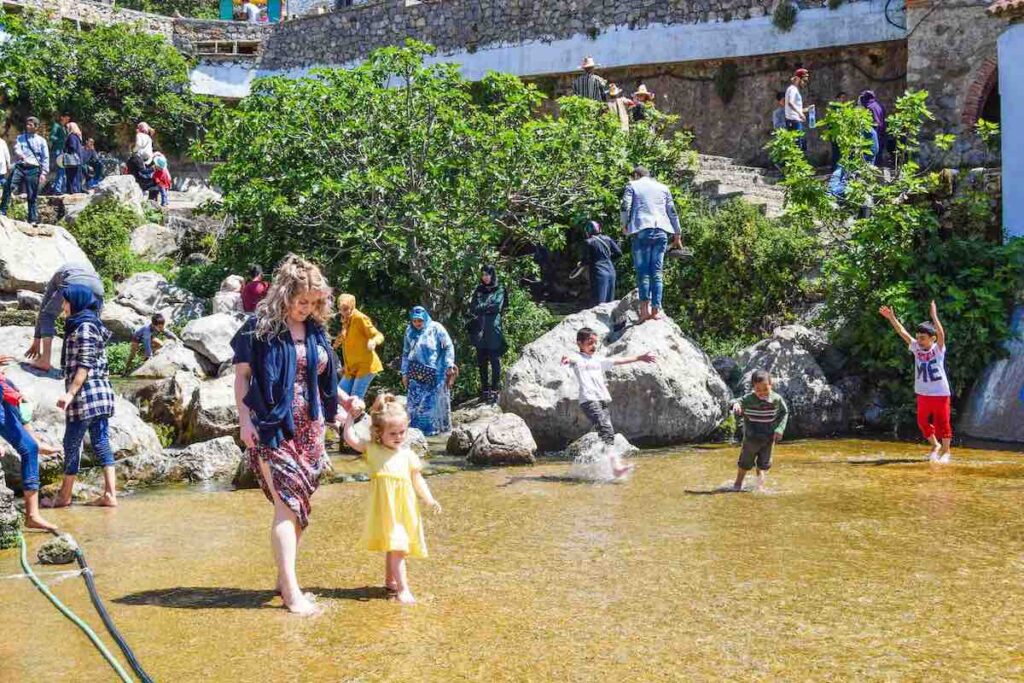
pixel 393 522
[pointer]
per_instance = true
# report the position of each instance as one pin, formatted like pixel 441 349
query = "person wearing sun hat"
pixel 643 100
pixel 796 112
pixel 588 84
pixel 619 105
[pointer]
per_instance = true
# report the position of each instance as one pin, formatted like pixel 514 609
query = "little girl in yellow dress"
pixel 393 523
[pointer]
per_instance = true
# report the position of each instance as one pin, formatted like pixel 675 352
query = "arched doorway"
pixel 982 101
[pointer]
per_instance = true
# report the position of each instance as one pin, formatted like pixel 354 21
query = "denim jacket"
pixel 646 203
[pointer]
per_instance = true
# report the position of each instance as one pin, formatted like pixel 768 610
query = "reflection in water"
pixel 853 570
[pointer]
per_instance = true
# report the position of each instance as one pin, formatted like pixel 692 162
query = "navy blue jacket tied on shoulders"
pixel 273 363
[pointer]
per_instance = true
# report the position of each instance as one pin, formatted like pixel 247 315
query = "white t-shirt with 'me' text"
pixel 930 370
pixel 590 375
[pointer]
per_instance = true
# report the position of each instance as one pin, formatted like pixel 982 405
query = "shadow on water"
pixel 238 598
pixel 715 491
pixel 550 479
pixel 886 461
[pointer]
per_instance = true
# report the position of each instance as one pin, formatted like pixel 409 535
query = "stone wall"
pixel 188 32
pixel 97 12
pixel 951 54
pixel 740 128
pixel 346 35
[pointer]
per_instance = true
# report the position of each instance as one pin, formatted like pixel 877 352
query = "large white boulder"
pixel 212 412
pixel 797 356
pixel 154 241
pixel 122 321
pixel 31 254
pixel 227 302
pixel 129 435
pixel 677 399
pixel 504 440
pixel 169 401
pixel 148 293
pixel 211 336
pixel 123 188
pixel 995 409
pixel 213 459
pixel 169 361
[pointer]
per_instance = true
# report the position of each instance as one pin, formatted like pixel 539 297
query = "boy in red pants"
pixel 930 382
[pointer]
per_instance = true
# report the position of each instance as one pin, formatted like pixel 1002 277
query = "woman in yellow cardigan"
pixel 358 342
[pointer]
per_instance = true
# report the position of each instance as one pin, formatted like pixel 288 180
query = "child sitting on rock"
pixel 594 397
pixel 764 421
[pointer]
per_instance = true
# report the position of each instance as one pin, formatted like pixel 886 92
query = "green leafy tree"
pixel 404 173
pixel 884 245
pixel 108 78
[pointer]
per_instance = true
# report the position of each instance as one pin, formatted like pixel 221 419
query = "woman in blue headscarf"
pixel 428 373
pixel 88 399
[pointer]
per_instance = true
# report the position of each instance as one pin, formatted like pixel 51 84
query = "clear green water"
pixel 889 571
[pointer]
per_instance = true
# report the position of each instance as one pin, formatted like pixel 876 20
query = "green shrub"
pixel 897 255
pixel 204 279
pixel 835 4
pixel 117 359
pixel 784 16
pixel 747 273
pixel 103 231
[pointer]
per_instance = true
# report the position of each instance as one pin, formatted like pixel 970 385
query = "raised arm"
pixel 351 439
pixel 940 332
pixel 887 313
pixel 642 358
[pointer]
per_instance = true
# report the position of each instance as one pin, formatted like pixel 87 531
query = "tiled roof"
pixel 1001 8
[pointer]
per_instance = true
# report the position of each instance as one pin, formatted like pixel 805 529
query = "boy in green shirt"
pixel 764 421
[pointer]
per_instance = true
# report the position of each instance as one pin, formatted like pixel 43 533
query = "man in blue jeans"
pixel 649 217
pixel 31 159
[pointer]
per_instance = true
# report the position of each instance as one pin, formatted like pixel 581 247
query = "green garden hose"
pixel 27 568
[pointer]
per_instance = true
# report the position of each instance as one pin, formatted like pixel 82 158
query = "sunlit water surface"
pixel 856 565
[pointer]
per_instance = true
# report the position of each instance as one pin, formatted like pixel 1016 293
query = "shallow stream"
pixel 859 563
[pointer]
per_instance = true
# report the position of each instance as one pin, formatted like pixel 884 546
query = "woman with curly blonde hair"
pixel 286 390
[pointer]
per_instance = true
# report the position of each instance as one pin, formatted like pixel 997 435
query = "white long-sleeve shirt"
pixel 5 159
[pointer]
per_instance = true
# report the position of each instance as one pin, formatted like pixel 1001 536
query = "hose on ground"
pixel 74 618
pixel 107 621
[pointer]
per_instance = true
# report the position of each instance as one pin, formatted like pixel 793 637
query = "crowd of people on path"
pixel 67 162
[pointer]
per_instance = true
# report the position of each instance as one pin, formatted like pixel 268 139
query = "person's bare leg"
pixel 63 498
pixel 390 582
pixel 645 310
pixel 762 476
pixel 405 595
pixel 945 455
pixel 936 447
pixel 284 537
pixel 741 474
pixel 33 520
pixel 43 362
pixel 108 499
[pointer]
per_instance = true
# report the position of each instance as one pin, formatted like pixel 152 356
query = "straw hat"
pixel 588 63
pixel 642 91
pixel 614 90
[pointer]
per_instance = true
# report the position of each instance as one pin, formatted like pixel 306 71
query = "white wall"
pixel 1011 97
pixel 851 24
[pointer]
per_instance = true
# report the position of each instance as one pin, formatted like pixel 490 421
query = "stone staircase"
pixel 720 179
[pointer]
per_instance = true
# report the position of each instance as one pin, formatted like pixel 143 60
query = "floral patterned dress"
pixel 296 465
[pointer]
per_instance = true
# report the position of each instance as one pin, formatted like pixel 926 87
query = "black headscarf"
pixel 493 272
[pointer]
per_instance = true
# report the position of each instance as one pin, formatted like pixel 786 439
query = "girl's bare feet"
pixel 37 522
pixel 620 472
pixel 107 500
pixel 41 366
pixel 303 606
pixel 406 597
pixel 55 502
